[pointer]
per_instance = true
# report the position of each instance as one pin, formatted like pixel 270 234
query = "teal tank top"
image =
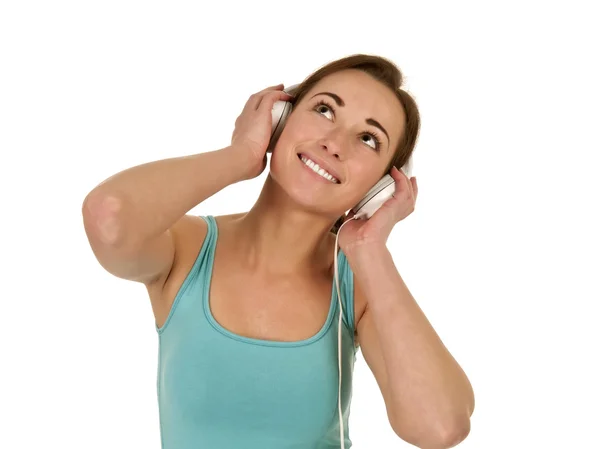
pixel 220 390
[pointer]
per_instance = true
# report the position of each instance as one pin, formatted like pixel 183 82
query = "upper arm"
pixel 146 263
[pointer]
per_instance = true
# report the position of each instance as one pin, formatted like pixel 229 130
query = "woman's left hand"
pixel 376 230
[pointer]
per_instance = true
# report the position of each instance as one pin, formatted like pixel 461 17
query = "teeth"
pixel 315 167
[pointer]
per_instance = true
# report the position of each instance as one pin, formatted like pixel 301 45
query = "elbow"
pixel 102 220
pixel 450 438
pixel 455 435
pixel 445 437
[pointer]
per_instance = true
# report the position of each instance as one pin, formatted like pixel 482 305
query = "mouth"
pixel 312 165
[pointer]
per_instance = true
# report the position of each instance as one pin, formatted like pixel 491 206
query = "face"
pixel 349 124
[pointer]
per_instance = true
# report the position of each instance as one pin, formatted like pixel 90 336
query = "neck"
pixel 278 237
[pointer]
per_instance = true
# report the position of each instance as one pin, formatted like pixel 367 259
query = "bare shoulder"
pixel 188 235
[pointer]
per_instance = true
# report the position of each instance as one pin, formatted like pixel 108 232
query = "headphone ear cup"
pixel 279 114
pixel 375 197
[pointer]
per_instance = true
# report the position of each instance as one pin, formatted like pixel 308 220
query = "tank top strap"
pixel 196 276
pixel 347 290
pixel 206 255
pixel 212 228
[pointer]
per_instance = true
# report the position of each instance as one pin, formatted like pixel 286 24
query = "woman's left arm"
pixel 428 397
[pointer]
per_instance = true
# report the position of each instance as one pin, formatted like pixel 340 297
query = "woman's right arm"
pixel 132 219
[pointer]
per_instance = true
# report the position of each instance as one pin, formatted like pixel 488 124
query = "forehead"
pixel 365 97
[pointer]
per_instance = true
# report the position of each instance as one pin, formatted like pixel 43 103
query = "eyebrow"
pixel 340 102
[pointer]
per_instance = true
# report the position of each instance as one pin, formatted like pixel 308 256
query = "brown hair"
pixel 385 71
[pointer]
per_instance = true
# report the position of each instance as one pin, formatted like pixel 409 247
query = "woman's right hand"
pixel 252 133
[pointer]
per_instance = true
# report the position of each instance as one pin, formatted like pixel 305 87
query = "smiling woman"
pixel 245 305
pixel 387 75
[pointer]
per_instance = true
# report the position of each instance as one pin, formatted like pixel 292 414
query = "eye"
pixel 322 106
pixel 371 136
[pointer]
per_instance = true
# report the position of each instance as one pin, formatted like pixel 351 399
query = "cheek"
pixel 364 177
pixel 290 137
pixel 305 125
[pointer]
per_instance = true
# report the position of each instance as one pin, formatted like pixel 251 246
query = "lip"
pixel 324 165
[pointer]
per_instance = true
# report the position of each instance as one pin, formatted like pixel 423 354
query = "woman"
pixel 245 304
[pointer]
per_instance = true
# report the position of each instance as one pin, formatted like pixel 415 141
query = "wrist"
pixel 243 162
pixel 239 162
pixel 365 250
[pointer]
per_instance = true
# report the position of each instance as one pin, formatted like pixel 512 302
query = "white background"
pixel 501 252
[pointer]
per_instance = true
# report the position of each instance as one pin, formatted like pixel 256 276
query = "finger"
pixel 402 179
pixel 254 99
pixel 273 96
pixel 260 93
pixel 276 86
pixel 399 178
pixel 268 100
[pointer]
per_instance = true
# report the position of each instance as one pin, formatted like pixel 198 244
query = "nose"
pixel 333 143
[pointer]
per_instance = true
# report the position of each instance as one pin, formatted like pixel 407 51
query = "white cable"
pixel 337 283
